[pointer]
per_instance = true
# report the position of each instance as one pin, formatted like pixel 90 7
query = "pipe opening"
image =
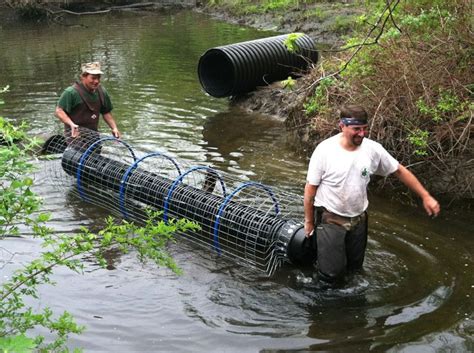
pixel 241 67
pixel 216 73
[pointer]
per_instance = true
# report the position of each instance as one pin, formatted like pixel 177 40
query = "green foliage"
pixel 318 102
pixel 426 20
pixel 289 83
pixel 290 42
pixel 259 7
pixel 446 106
pixel 419 139
pixel 17 205
pixel 273 5
pixel 362 65
pixel 16 344
pixel 17 201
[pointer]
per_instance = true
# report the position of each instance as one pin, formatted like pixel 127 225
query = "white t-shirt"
pixel 342 176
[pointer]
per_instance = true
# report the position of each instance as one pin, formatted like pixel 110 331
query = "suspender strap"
pixel 82 92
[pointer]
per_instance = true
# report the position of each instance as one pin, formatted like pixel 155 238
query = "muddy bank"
pixel 321 21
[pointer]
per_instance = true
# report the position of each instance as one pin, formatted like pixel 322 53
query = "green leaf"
pixel 17 344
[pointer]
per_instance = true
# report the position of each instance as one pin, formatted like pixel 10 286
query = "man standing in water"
pixel 335 196
pixel 82 103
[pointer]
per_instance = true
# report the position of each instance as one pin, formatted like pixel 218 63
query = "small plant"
pixel 17 201
pixel 289 83
pixel 446 106
pixel 318 102
pixel 419 139
pixel 17 344
pixel 290 42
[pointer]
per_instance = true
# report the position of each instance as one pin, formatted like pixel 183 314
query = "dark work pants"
pixel 339 249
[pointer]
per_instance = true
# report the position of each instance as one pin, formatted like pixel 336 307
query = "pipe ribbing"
pixel 241 67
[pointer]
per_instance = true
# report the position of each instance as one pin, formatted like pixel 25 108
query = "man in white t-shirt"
pixel 335 196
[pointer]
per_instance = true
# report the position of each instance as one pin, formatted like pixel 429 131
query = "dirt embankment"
pixel 326 23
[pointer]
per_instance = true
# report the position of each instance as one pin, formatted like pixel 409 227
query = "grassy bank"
pixel 324 20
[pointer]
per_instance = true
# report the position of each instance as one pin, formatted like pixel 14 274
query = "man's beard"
pixel 357 140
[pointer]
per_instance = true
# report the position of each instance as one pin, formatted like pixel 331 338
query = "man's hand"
pixel 116 133
pixel 431 206
pixel 74 130
pixel 308 229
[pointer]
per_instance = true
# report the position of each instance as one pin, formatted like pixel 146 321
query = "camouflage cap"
pixel 92 68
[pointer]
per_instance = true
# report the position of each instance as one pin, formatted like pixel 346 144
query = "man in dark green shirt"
pixel 82 103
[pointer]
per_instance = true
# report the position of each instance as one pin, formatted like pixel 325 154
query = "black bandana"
pixel 354 121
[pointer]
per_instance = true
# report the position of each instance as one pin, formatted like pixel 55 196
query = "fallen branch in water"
pixel 99 12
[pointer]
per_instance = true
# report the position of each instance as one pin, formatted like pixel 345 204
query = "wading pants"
pixel 341 243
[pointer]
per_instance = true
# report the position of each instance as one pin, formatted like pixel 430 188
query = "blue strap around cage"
pixel 180 178
pixel 129 172
pixel 227 200
pixel 86 154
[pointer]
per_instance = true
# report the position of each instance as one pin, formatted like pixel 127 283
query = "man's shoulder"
pixel 70 90
pixel 372 144
pixel 374 148
pixel 329 142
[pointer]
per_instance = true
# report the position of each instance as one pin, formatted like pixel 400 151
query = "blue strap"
pixel 180 178
pixel 86 154
pixel 227 200
pixel 123 182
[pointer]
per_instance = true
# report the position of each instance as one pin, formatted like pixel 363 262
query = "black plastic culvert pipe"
pixel 239 68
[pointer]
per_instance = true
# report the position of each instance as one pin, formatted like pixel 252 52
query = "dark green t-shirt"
pixel 70 99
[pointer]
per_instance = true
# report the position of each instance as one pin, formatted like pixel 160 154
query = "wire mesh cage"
pixel 243 220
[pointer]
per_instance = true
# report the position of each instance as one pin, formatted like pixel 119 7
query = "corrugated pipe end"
pixel 239 68
pixel 216 73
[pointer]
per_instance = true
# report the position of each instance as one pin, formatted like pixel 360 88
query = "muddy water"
pixel 415 293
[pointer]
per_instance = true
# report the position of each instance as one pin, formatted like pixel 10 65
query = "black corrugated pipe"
pixel 241 67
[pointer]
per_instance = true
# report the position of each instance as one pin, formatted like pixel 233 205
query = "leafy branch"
pixel 380 24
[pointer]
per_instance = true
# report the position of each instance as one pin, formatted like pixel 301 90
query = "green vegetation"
pixel 419 139
pixel 290 42
pixel 289 83
pixel 19 205
pixel 318 102
pixel 305 7
pixel 258 6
